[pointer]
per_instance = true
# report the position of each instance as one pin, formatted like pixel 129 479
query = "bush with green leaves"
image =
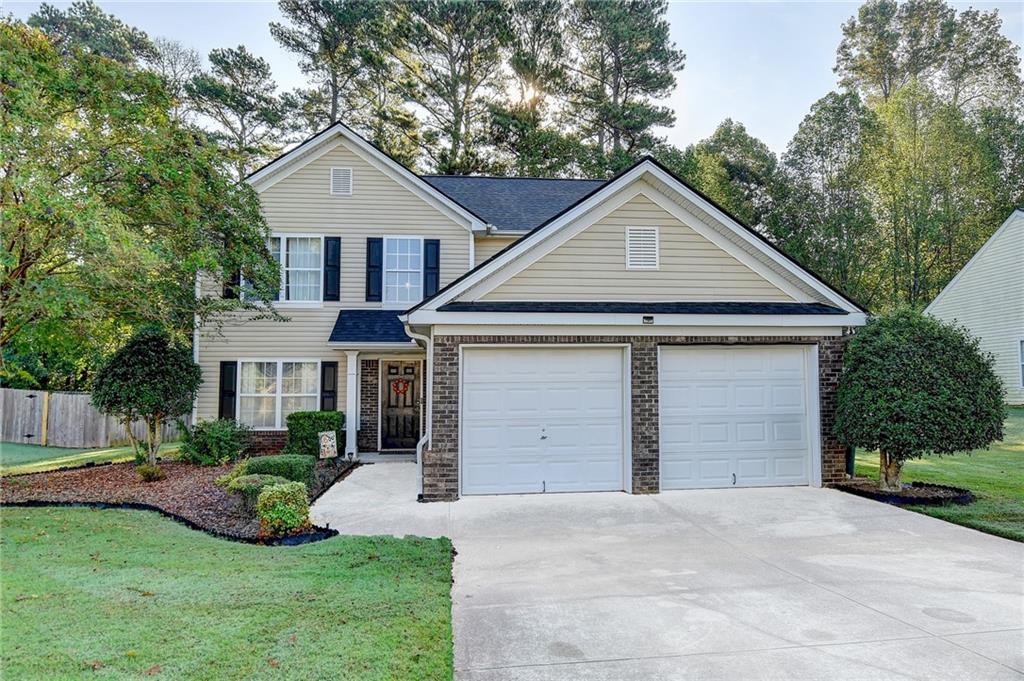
pixel 213 443
pixel 913 385
pixel 150 472
pixel 304 428
pixel 283 509
pixel 151 379
pixel 294 467
pixel 249 486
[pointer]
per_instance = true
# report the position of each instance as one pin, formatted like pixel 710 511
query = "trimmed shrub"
pixel 304 428
pixel 248 487
pixel 913 385
pixel 150 472
pixel 213 443
pixel 283 509
pixel 295 467
pixel 237 471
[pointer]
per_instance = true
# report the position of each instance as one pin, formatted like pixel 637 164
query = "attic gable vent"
pixel 341 181
pixel 642 248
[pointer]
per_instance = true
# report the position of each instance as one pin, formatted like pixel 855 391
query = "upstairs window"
pixel 403 270
pixel 341 181
pixel 642 248
pixel 301 261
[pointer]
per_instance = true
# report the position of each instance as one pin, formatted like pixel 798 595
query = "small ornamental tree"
pixel 149 379
pixel 913 385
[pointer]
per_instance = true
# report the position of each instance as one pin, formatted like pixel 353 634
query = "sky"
pixel 760 63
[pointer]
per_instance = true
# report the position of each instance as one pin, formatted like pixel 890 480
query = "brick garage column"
pixel 644 387
pixel 830 367
pixel 441 459
pixel 369 403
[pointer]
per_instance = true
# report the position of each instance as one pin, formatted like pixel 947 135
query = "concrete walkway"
pixel 775 583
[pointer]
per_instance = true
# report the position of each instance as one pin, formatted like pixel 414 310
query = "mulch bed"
pixel 188 494
pixel 914 494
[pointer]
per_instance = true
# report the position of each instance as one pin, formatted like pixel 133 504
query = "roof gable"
pixel 1009 235
pixel 736 238
pixel 325 140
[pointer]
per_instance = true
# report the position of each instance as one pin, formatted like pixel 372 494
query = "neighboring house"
pixel 531 335
pixel 987 297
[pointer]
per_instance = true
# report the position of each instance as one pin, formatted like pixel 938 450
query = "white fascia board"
pixel 637 330
pixel 547 319
pixel 411 345
pixel 307 152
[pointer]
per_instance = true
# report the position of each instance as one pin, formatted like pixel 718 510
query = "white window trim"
pixel 351 181
pixel 278 425
pixel 385 304
pixel 1020 349
pixel 657 247
pixel 284 236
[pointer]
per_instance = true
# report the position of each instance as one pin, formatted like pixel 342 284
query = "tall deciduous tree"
pixel 177 66
pixel 826 220
pixel 109 208
pixel 87 27
pixel 625 62
pixel 454 65
pixel 239 95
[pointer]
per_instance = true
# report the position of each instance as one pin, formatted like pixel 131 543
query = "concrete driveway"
pixel 775 583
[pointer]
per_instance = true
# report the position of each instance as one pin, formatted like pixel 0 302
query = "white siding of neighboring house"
pixel 987 297
pixel 302 203
pixel 487 246
pixel 591 266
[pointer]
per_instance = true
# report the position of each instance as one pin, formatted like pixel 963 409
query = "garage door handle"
pixel 734 478
pixel 543 437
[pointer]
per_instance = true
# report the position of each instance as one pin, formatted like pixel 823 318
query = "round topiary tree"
pixel 149 379
pixel 913 385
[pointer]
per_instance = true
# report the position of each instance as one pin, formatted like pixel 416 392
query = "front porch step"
pixel 388 457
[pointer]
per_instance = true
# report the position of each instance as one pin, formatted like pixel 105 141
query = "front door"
pixel 400 404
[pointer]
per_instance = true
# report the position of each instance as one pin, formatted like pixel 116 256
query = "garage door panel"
pixel 733 410
pixel 552 419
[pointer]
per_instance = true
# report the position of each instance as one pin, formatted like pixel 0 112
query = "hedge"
pixel 304 428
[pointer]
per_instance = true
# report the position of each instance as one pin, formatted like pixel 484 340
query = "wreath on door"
pixel 400 386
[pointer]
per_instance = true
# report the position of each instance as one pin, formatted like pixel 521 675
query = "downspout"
pixel 429 377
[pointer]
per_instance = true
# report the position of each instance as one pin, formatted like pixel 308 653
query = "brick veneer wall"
pixel 267 442
pixel 369 396
pixel 440 461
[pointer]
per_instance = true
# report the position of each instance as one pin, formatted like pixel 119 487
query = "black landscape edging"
pixel 319 533
pixel 962 497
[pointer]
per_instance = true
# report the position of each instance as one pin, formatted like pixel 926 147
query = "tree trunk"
pixel 889 473
pixel 152 439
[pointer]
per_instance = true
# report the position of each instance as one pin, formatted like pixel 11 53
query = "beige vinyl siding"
pixel 592 266
pixel 301 203
pixel 987 297
pixel 487 246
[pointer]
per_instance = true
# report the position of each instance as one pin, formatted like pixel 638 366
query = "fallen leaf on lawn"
pixel 273 663
pixel 25 597
pixel 131 653
pixel 293 638
pixel 155 669
pixel 95 664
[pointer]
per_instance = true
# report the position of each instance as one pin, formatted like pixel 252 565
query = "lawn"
pixel 125 594
pixel 16 458
pixel 995 475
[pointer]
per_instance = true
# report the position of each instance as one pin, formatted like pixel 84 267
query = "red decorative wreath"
pixel 400 386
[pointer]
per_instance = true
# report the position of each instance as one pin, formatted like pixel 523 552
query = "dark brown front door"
pixel 400 404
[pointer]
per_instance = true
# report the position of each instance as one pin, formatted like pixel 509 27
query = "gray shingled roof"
pixel 369 326
pixel 513 203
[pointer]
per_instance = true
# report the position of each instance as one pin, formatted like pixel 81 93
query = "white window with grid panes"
pixel 300 259
pixel 270 390
pixel 403 270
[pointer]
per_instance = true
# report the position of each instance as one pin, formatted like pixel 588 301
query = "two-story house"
pixel 532 335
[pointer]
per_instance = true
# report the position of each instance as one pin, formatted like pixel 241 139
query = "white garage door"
pixel 734 416
pixel 541 420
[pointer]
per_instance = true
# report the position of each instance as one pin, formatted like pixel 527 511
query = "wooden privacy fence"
pixel 39 417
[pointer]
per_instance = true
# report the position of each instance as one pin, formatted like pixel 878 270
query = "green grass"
pixel 995 475
pixel 16 458
pixel 116 594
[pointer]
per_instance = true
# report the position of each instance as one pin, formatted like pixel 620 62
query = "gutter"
pixel 429 377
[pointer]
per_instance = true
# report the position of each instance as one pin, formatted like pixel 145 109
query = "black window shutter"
pixel 233 285
pixel 431 267
pixel 332 268
pixel 328 386
pixel 374 269
pixel 228 383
